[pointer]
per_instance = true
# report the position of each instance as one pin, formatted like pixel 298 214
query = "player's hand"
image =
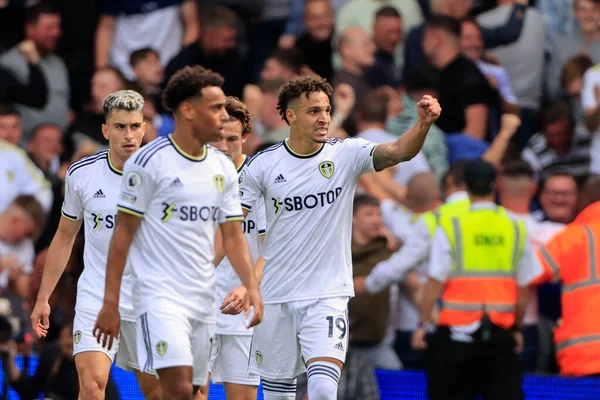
pixel 418 341
pixel 429 109
pixel 233 304
pixel 40 318
pixel 253 299
pixel 518 337
pixel 509 123
pixel 108 325
pixel 343 99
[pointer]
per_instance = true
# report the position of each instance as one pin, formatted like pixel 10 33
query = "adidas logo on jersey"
pixel 280 179
pixel 99 194
pixel 176 183
pixel 339 346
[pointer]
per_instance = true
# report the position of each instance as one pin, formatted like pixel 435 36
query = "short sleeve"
pixel 111 7
pixel 361 151
pixel 260 216
pixel 72 207
pixel 137 189
pixel 250 186
pixel 230 209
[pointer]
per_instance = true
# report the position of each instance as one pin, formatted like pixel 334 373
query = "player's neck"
pixel 302 146
pixel 187 142
pixel 239 160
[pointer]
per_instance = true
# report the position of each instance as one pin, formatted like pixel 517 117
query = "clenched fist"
pixel 429 109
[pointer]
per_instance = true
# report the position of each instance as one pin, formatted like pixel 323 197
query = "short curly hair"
pixel 188 82
pixel 296 87
pixel 238 112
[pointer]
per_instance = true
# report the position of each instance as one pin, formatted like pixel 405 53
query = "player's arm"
pixel 125 228
pixel 238 253
pixel 57 258
pixel 410 143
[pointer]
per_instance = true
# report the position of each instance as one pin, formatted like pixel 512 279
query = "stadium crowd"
pixel 518 82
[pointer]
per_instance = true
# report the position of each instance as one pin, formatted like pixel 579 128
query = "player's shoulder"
pixel 11 151
pixel 82 167
pixel 218 154
pixel 148 153
pixel 266 155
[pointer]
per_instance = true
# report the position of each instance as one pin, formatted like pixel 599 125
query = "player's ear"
pixel 290 115
pixel 187 111
pixel 105 131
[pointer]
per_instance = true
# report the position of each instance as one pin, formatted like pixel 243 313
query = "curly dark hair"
pixel 188 82
pixel 296 87
pixel 238 112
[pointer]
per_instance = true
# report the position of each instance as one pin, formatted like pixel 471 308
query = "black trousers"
pixel 458 370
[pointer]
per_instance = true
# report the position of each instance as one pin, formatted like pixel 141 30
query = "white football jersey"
pixel 180 200
pixel 254 226
pixel 308 203
pixel 91 192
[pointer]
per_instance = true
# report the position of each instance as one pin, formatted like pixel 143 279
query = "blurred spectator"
pixel 35 92
pixel 56 375
pixel 415 56
pixel 371 115
pixel 571 82
pixel 19 224
pixel 215 49
pixel 315 43
pixel 590 103
pixel 361 13
pixel 45 148
pixel 368 313
pixel 282 64
pixel 464 93
pixel 418 84
pixel 560 146
pixel 86 127
pixel 163 123
pixel 148 73
pixel 11 129
pixel 126 26
pixel 269 124
pixel 43 28
pixel 471 41
pixel 20 176
pixel 358 54
pixel 150 132
pixel 587 14
pixel 558 198
pixel 387 35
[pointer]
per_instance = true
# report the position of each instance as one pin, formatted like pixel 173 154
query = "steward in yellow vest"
pixel 481 265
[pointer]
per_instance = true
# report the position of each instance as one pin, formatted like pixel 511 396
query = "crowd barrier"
pixel 397 385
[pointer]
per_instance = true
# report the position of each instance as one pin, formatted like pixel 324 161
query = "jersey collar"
pixel 293 153
pixel 112 167
pixel 239 169
pixel 186 155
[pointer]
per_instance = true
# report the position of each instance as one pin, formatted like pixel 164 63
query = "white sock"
pixel 279 389
pixel 323 378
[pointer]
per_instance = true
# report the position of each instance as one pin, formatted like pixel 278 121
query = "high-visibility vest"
pixel 487 246
pixel 578 336
pixel 432 218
